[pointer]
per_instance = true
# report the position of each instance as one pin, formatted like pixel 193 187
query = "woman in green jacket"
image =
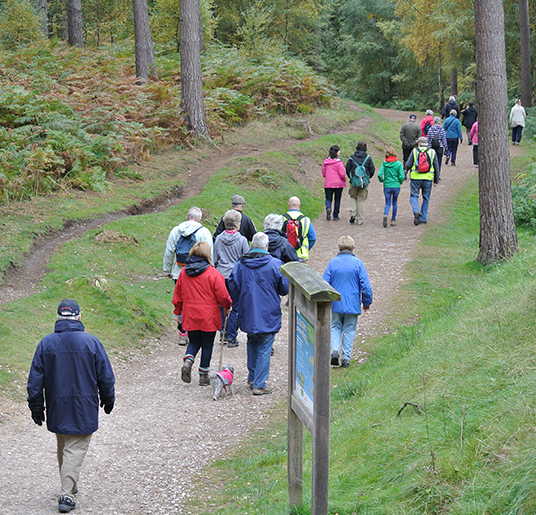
pixel 392 175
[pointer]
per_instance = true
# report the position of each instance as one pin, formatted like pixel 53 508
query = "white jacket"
pixel 517 116
pixel 170 266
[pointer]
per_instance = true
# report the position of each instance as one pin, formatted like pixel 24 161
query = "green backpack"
pixel 359 178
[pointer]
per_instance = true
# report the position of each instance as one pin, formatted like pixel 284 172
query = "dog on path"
pixel 222 381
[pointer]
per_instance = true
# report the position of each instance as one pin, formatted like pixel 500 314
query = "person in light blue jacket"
pixel 348 275
pixel 453 132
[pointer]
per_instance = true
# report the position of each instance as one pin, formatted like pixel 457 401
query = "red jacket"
pixel 199 298
pixel 427 119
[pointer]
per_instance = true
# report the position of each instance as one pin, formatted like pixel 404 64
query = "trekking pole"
pixel 222 339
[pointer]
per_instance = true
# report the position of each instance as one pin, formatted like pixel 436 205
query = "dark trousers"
pixel 452 145
pixel 475 155
pixel 330 193
pixel 406 151
pixel 516 133
pixel 204 341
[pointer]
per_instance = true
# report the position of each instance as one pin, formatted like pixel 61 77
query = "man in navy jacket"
pixel 73 370
pixel 256 284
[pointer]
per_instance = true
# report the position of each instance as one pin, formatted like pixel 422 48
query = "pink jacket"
pixel 473 133
pixel 334 172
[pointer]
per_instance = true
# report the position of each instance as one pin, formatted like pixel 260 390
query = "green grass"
pixel 462 349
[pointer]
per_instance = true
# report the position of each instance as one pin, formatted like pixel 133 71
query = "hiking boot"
pixel 232 343
pixel 352 219
pixel 183 339
pixel 250 384
pixel 65 504
pixel 393 223
pixel 345 363
pixel 385 221
pixel 261 391
pixel 447 160
pixel 416 218
pixel 328 214
pixel 203 379
pixel 186 371
pixel 335 359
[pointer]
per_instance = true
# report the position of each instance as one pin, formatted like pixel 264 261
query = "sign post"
pixel 310 299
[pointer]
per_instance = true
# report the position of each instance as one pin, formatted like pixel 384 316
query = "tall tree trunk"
pixel 74 23
pixel 192 104
pixel 43 12
pixel 498 238
pixel 440 81
pixel 524 42
pixel 142 39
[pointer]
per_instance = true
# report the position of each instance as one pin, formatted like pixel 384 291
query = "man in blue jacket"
pixel 348 275
pixel 256 284
pixel 73 370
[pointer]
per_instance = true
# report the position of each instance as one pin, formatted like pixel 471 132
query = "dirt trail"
pixel 149 451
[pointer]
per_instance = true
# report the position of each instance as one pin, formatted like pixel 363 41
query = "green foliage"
pixel 524 198
pixel 19 24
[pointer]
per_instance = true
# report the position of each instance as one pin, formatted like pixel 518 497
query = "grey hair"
pixel 232 219
pixel 273 221
pixel 61 317
pixel 259 241
pixel 194 213
pixel 437 120
pixel 429 112
pixel 452 98
pixel 454 112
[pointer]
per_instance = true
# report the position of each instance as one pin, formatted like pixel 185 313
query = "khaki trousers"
pixel 357 202
pixel 72 450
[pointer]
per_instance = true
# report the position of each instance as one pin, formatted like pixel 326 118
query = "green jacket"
pixel 391 174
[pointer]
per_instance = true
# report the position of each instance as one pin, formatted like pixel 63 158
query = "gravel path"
pixel 148 452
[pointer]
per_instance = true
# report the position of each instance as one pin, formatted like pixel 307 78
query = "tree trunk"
pixel 74 23
pixel 440 81
pixel 498 238
pixel 191 78
pixel 142 39
pixel 524 42
pixel 43 12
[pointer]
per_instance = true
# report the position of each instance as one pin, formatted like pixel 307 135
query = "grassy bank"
pixel 462 351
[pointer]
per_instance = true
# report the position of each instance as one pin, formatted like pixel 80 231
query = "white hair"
pixel 274 222
pixel 259 241
pixel 194 213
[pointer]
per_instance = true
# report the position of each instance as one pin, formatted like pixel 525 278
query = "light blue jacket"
pixel 452 127
pixel 348 275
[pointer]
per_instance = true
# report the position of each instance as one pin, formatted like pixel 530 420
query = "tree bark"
pixel 142 39
pixel 74 23
pixel 498 238
pixel 43 12
pixel 524 43
pixel 191 77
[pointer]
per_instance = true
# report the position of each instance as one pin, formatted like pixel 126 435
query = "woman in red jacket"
pixel 199 292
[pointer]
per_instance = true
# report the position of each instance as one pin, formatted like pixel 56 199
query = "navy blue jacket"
pixel 255 285
pixel 280 247
pixel 72 368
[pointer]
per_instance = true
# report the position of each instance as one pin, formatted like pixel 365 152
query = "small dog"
pixel 220 381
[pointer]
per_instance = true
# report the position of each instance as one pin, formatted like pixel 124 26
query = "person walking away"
pixel 517 121
pixel 449 106
pixel 198 295
pixel 453 132
pixel 229 247
pixel 427 122
pixel 474 139
pixel 257 283
pixel 72 368
pixel 409 134
pixel 392 176
pixel 278 245
pixel 348 275
pixel 422 164
pixel 190 231
pixel 469 118
pixel 438 141
pixel 303 231
pixel 359 161
pixel 334 175
pixel 247 227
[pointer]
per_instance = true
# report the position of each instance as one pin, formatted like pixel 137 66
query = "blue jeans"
pixel 204 341
pixel 343 324
pixel 391 196
pixel 259 350
pixel 416 186
pixel 330 192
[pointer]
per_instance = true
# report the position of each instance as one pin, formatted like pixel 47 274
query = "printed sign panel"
pixel 305 360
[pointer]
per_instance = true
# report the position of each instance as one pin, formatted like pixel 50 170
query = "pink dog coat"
pixel 226 376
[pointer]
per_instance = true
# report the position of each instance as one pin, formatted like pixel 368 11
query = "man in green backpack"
pixel 359 192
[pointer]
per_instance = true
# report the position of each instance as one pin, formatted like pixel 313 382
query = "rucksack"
pixel 436 144
pixel 359 178
pixel 427 126
pixel 293 229
pixel 423 166
pixel 183 246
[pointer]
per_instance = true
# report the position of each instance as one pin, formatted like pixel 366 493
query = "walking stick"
pixel 222 339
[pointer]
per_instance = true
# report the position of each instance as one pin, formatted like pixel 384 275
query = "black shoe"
pixel 65 504
pixel 328 214
pixel 447 160
pixel 416 218
pixel 352 219
pixel 334 359
pixel 452 164
pixel 232 343
pixel 385 221
pixel 345 363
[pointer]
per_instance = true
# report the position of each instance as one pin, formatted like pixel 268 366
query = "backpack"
pixel 436 144
pixel 359 178
pixel 182 249
pixel 427 126
pixel 423 166
pixel 293 229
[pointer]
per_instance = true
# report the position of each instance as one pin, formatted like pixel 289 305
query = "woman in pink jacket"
pixel 473 134
pixel 334 174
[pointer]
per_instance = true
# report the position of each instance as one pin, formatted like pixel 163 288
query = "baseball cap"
pixel 68 308
pixel 414 116
pixel 238 199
